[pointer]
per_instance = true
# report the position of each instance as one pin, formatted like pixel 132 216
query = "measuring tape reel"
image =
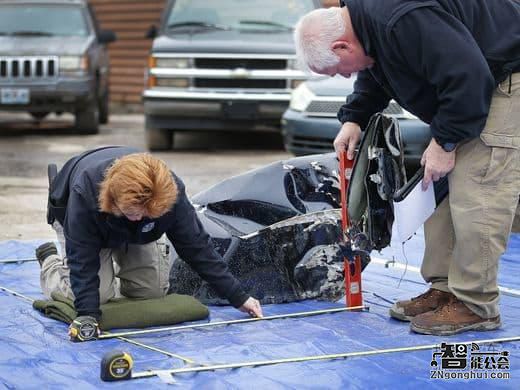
pixel 116 366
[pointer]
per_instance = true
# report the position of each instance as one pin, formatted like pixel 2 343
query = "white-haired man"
pixel 456 65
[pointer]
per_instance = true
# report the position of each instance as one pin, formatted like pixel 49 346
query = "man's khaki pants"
pixel 468 232
pixel 136 271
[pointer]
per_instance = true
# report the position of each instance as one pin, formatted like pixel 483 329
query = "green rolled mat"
pixel 130 313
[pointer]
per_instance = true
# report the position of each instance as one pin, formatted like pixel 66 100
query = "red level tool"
pixel 354 296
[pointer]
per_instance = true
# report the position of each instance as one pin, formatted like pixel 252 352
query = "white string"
pixel 405 264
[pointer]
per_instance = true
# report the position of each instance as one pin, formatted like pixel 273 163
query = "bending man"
pixel 456 65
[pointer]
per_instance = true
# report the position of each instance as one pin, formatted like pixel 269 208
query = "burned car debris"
pixel 278 228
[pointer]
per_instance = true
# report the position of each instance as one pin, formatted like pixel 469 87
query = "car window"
pixel 42 20
pixel 239 14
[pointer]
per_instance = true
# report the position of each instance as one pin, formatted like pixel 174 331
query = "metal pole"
pixel 241 321
pixel 353 285
pixel 25 260
pixel 150 373
pixel 395 264
pixel 16 294
pixel 170 354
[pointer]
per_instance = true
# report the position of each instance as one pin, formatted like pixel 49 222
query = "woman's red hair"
pixel 138 180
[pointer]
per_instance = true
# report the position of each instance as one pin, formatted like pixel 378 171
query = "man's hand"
pixel 252 307
pixel 84 328
pixel 437 163
pixel 347 139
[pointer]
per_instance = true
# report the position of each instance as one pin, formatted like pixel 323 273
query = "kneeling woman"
pixel 110 207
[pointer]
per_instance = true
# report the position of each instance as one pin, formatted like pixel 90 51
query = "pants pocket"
pixel 500 164
pixel 143 269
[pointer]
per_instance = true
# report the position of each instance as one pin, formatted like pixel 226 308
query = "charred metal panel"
pixel 278 227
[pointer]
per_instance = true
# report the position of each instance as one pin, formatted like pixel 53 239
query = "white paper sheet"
pixel 411 213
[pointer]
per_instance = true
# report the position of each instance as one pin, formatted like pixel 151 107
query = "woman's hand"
pixel 252 307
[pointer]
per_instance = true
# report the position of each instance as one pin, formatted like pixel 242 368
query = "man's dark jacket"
pixel 439 59
pixel 87 230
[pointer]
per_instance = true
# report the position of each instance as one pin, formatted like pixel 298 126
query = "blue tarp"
pixel 35 352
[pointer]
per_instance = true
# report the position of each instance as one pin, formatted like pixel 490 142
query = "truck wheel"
pixel 87 119
pixel 104 108
pixel 159 139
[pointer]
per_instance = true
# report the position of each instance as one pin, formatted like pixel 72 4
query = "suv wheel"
pixel 104 108
pixel 87 119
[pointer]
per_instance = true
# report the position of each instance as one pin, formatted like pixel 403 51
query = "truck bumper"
pixel 207 111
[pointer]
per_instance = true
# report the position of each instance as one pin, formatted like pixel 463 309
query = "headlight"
pixel 172 83
pixel 301 97
pixel 73 63
pixel 179 63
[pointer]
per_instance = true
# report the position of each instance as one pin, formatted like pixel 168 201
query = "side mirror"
pixel 106 36
pixel 152 32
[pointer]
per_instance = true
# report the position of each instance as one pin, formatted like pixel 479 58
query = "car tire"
pixel 104 108
pixel 159 139
pixel 87 119
pixel 39 116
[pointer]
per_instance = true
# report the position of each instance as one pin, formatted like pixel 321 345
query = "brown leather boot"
pixel 428 301
pixel 454 317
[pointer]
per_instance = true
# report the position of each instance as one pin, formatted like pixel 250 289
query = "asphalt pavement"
pixel 26 147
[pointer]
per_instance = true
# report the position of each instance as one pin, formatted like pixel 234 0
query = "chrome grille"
pixel 246 63
pixel 28 68
pixel 330 108
pixel 249 64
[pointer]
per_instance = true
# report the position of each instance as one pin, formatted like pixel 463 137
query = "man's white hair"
pixel 314 34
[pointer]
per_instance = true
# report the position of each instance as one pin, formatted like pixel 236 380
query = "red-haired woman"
pixel 110 208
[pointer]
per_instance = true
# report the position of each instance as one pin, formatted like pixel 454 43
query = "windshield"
pixel 264 15
pixel 42 20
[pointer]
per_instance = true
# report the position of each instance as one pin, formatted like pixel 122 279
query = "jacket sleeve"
pixel 367 99
pixel 82 243
pixel 194 246
pixel 438 47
